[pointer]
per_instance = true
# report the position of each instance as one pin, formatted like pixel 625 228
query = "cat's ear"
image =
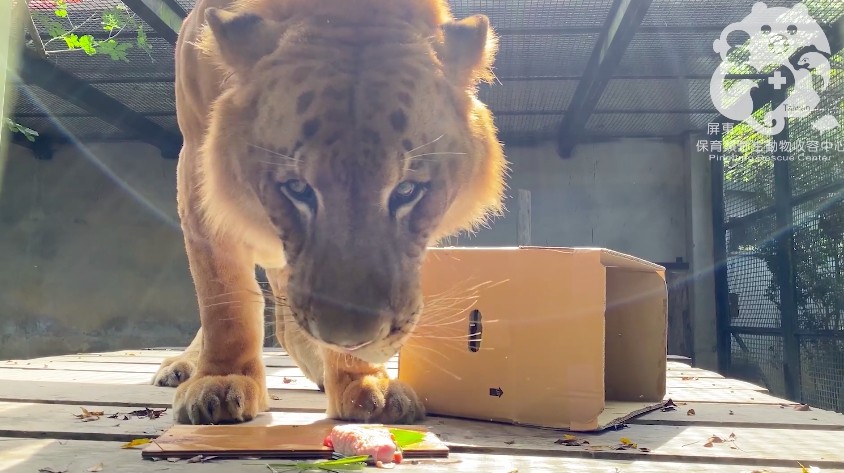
pixel 242 39
pixel 468 49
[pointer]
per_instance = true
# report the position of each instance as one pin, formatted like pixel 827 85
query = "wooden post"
pixel 524 218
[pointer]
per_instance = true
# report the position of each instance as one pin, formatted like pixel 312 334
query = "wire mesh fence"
pixel 783 206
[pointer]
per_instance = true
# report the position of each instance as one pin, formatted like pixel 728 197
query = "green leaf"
pixel 87 44
pixel 115 50
pixel 114 18
pixel 346 463
pixel 142 40
pixel 72 41
pixel 405 438
pixel 61 9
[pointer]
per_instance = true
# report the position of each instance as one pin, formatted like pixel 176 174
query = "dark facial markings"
pixel 303 103
pixel 399 120
pixel 310 128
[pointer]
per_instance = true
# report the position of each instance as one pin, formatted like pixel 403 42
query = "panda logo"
pixel 776 34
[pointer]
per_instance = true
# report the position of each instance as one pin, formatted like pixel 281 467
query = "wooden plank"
pixel 279 361
pixel 47 392
pixel 30 455
pixel 711 383
pixel 677 370
pixel 134 378
pixel 744 415
pixel 734 396
pixel 666 443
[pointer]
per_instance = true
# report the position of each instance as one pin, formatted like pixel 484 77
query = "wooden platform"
pixel 39 430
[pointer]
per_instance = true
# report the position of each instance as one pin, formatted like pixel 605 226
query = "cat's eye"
pixel 299 190
pixel 406 193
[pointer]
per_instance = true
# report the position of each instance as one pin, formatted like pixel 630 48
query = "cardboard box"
pixel 569 338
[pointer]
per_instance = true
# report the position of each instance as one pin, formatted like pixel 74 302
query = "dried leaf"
pixel 275 398
pixel 97 467
pixel 113 416
pixel 571 441
pixel 173 459
pixel 50 470
pixel 136 443
pixel 688 378
pixel 644 449
pixel 802 407
pixel 715 439
pixel 669 403
pixel 732 436
pixel 707 444
pixel 731 413
pixel 287 380
pixel 509 442
pixel 690 412
pixel 87 415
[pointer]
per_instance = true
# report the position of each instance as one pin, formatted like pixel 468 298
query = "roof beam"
pixel 164 16
pixel 622 23
pixel 43 73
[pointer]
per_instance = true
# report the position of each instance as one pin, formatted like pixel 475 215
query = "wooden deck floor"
pixel 39 398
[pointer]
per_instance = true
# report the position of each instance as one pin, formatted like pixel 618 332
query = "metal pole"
pixel 785 264
pixel 719 240
pixel 9 45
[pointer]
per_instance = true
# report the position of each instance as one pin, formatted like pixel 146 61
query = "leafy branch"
pixel 114 21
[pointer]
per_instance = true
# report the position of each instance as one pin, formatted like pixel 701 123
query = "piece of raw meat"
pixel 353 440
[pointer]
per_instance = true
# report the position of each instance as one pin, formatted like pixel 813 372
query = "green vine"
pixel 116 21
pixel 113 21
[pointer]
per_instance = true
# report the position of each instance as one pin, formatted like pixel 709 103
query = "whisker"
pixel 435 153
pixel 426 144
pixel 274 153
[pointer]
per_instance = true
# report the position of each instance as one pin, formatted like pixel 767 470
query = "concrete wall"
pixel 93 258
pixel 626 195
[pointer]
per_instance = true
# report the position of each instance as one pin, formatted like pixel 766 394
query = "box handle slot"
pixel 475 331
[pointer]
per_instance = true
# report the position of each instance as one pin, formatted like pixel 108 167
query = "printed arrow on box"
pixel 496 392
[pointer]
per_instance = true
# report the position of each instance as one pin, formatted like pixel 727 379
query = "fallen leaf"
pixel 287 380
pixel 707 444
pixel 173 459
pixel 689 378
pixel 135 443
pixel 732 436
pixel 509 442
pixel 802 407
pixel 715 439
pixel 275 398
pixel 50 470
pixel 669 403
pixel 148 413
pixel 113 416
pixel 87 415
pixel 97 467
pixel 625 444
pixel 571 441
pixel 731 413
pixel 644 449
pixel 690 412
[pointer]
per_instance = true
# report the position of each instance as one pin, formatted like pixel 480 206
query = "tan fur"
pixel 352 97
